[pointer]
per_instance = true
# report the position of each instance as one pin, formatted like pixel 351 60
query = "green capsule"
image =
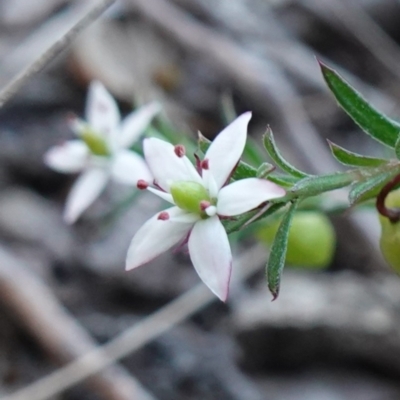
pixel 311 241
pixel 390 233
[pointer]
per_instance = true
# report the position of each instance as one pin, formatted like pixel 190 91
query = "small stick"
pixel 22 78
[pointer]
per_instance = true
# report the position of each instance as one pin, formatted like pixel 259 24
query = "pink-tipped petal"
pixel 226 149
pixel 165 165
pixel 245 195
pixel 128 168
pixel 84 192
pixel 135 124
pixel 102 113
pixel 211 255
pixel 70 157
pixel 155 237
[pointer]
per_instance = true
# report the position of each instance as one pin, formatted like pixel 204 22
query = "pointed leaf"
pixel 276 260
pixel 374 123
pixel 370 188
pixel 272 149
pixel 314 185
pixel 350 158
pixel 397 148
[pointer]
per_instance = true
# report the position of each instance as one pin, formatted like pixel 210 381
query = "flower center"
pixel 96 143
pixel 190 196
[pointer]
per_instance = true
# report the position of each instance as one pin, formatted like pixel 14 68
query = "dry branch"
pixel 35 307
pixel 60 44
pixel 137 336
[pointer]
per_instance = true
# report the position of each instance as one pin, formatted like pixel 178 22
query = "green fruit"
pixel 390 234
pixel 188 195
pixel 311 240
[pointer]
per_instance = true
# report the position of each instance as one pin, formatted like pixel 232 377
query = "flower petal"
pixel 211 255
pixel 246 194
pixel 155 237
pixel 102 112
pixel 84 192
pixel 166 166
pixel 128 167
pixel 135 124
pixel 69 157
pixel 164 195
pixel 226 149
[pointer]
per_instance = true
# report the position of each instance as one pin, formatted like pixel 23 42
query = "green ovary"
pixel 187 195
pixel 96 144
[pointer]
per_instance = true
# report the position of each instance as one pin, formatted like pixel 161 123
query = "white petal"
pixel 211 255
pixel 166 166
pixel 84 192
pixel 135 124
pixel 155 237
pixel 128 167
pixel 164 195
pixel 102 112
pixel 226 149
pixel 246 194
pixel 69 157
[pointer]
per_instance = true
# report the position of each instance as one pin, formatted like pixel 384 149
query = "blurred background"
pixel 333 334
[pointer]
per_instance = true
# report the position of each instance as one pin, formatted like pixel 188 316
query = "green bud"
pixel 311 240
pixel 188 195
pixel 390 234
pixel 96 144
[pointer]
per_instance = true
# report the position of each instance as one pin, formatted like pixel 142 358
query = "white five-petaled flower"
pixel 102 150
pixel 200 197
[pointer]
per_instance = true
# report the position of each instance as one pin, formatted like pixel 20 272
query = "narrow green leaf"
pixel 272 149
pixel 352 159
pixel 282 180
pixel 397 148
pixel 276 261
pixel 264 170
pixel 370 188
pixel 374 123
pixel 314 185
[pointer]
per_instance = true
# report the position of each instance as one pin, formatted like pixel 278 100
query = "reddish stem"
pixel 393 214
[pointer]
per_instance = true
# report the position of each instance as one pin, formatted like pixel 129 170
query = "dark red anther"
pixel 163 216
pixel 180 150
pixel 142 184
pixel 205 164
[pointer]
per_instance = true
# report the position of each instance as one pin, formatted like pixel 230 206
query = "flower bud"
pixel 189 195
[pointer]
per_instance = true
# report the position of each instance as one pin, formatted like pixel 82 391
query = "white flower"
pixel 200 199
pixel 102 150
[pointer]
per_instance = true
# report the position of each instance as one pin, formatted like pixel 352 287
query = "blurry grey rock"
pixel 28 217
pixel 322 317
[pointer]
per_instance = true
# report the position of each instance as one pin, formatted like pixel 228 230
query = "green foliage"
pixel 352 159
pixel 273 151
pixel 373 122
pixel 276 261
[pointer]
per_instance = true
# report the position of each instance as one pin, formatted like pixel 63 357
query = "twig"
pixel 12 88
pixel 31 302
pixel 137 336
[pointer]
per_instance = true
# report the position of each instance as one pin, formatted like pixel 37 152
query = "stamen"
pixel 142 184
pixel 198 163
pixel 205 164
pixel 204 204
pixel 163 216
pixel 180 150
